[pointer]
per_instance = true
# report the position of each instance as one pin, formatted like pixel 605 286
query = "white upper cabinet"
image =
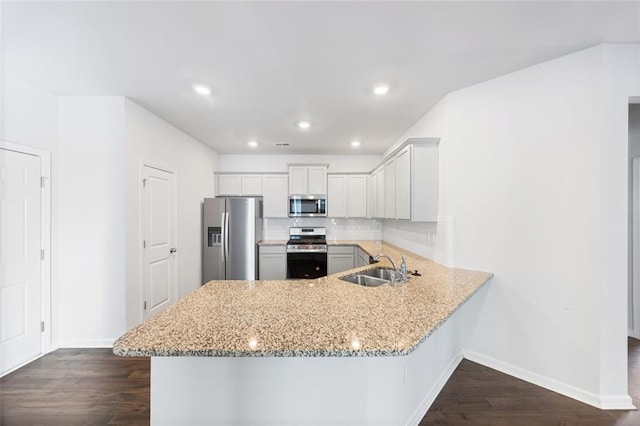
pixel 379 182
pixel 308 180
pixel 297 180
pixel 403 183
pixel 237 184
pixel 272 187
pixel 317 180
pixel 275 195
pixel 228 185
pixel 347 196
pixel 357 196
pixel 425 186
pixel 251 184
pixel 406 186
pixel 371 196
pixel 336 196
pixel 390 188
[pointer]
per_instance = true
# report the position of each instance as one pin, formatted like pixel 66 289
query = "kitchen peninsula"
pixel 309 351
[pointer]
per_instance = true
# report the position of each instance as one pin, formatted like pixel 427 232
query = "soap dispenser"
pixel 403 269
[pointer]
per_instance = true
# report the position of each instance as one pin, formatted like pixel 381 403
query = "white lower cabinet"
pixel 272 263
pixel 340 259
pixel 362 257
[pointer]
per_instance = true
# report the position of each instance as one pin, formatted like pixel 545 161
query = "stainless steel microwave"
pixel 307 206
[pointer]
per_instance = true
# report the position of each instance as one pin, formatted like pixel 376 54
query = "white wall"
pixel 97 145
pixel 29 117
pixel 153 140
pixel 278 163
pixel 533 171
pixel 91 225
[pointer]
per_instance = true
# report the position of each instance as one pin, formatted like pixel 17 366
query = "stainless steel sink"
pixel 364 280
pixel 372 277
pixel 382 273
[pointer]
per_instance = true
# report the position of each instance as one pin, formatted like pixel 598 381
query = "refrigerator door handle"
pixel 224 237
pixel 226 234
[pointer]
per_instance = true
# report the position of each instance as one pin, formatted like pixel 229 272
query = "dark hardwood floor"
pixel 94 387
pixel 77 387
pixel 477 395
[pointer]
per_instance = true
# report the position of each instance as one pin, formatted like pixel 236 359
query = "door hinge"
pixel 42 178
pixel 42 326
pixel 144 183
pixel 144 243
pixel 145 305
pixel 41 254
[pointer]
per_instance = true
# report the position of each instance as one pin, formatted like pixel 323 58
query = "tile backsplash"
pixel 337 228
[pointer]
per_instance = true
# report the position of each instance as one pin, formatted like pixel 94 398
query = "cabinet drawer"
pixel 341 249
pixel 272 249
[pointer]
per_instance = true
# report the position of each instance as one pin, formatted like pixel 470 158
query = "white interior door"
pixel 20 263
pixel 159 272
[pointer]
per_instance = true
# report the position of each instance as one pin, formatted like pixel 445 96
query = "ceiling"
pixel 272 64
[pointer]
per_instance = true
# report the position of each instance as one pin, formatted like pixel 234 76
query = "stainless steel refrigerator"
pixel 232 228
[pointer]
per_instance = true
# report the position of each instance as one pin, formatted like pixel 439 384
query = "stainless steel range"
pixel 307 253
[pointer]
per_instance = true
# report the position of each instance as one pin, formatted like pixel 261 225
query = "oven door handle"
pixel 307 251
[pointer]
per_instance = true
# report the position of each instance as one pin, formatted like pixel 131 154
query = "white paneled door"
pixel 20 259
pixel 159 272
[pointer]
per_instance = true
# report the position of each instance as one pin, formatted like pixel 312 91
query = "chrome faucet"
pixel 402 273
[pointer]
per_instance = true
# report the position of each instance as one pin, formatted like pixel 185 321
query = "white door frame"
pixel 176 275
pixel 635 258
pixel 45 242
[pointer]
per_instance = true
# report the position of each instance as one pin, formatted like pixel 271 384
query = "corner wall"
pixel 533 172
pixel 151 139
pixel 91 226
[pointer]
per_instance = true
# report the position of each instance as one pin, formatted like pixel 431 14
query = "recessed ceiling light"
pixel 202 89
pixel 381 89
pixel 252 144
pixel 355 144
pixel 304 125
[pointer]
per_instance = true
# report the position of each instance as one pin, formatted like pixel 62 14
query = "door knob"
pixel 173 250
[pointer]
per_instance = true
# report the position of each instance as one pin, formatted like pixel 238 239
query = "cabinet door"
pixel 390 189
pixel 425 183
pixel 336 196
pixel 371 196
pixel 357 196
pixel 339 263
pixel 297 180
pixel 317 180
pixel 274 196
pixel 362 259
pixel 380 193
pixel 228 184
pixel 273 263
pixel 251 184
pixel 403 183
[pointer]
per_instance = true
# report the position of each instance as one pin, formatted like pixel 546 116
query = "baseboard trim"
pixel 87 343
pixel 435 390
pixel 613 402
pixel 11 370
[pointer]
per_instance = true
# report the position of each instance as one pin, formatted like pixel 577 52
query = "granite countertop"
pixel 273 243
pixel 321 317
